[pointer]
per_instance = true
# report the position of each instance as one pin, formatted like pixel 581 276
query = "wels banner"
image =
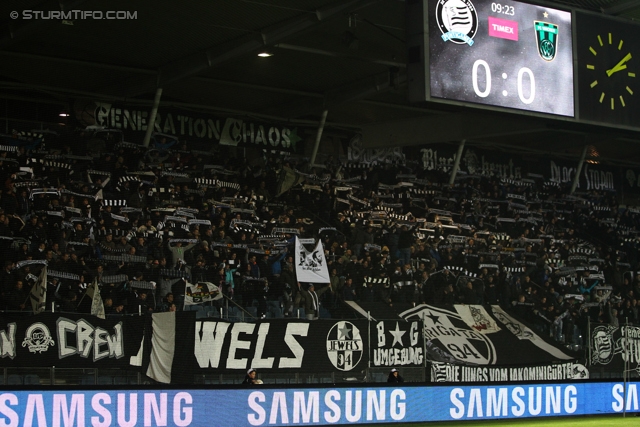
pixel 478 337
pixel 133 121
pixel 274 346
pixel 397 344
pixel 446 372
pixel 70 341
pixel 614 347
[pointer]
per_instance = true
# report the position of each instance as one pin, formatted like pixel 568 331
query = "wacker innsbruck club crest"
pixel 547 39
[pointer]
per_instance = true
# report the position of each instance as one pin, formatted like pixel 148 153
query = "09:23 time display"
pixel 503 9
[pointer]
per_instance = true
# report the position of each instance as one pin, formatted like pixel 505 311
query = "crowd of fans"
pixel 143 221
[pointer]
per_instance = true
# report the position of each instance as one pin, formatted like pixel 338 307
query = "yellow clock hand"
pixel 620 65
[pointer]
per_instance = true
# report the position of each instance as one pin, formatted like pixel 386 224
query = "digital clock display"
pixel 503 54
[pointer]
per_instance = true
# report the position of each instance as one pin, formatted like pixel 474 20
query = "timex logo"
pixel 503 28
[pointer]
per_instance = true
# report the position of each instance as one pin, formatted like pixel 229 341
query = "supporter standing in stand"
pixel 178 253
pixel 394 377
pixel 574 232
pixel 310 301
pixel 250 379
pixel 405 240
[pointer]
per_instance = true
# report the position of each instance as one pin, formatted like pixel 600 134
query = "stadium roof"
pixel 346 56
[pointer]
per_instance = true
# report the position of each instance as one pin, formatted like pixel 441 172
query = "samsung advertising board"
pixel 317 406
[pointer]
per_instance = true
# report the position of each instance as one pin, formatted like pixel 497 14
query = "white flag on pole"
pixel 311 266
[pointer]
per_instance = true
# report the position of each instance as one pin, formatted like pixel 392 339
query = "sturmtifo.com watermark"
pixel 70 15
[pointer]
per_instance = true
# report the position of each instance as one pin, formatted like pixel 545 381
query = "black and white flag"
pixel 311 266
pixel 483 338
pixel 38 293
pixel 201 292
pixel 97 306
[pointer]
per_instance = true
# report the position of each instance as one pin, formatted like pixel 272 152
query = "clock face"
pixel 611 77
pixel 609 67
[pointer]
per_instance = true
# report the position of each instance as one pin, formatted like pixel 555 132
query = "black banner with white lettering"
pixel 69 341
pixel 613 347
pixel 268 346
pixel 176 124
pixel 397 343
pixel 450 373
pixel 474 162
pixel 592 176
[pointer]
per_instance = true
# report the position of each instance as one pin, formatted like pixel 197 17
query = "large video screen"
pixel 501 53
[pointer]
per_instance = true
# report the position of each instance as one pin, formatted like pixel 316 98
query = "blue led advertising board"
pixel 317 406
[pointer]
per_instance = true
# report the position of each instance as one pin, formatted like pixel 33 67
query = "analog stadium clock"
pixel 611 68
pixel 608 53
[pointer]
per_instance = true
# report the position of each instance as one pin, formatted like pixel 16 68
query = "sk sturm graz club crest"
pixel 547 39
pixel 344 346
pixel 457 20
pixel 603 345
pixel 608 342
pixel 38 338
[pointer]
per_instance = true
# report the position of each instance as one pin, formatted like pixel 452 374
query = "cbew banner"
pixel 69 341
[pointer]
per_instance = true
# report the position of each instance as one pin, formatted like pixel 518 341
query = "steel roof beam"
pixel 444 128
pixel 619 7
pixel 203 60
pixel 19 27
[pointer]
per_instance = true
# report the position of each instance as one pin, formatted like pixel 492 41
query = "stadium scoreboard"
pixel 532 59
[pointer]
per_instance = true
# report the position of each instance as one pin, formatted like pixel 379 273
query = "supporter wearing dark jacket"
pixel 394 377
pixel 468 295
pixel 17 298
pixel 405 241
